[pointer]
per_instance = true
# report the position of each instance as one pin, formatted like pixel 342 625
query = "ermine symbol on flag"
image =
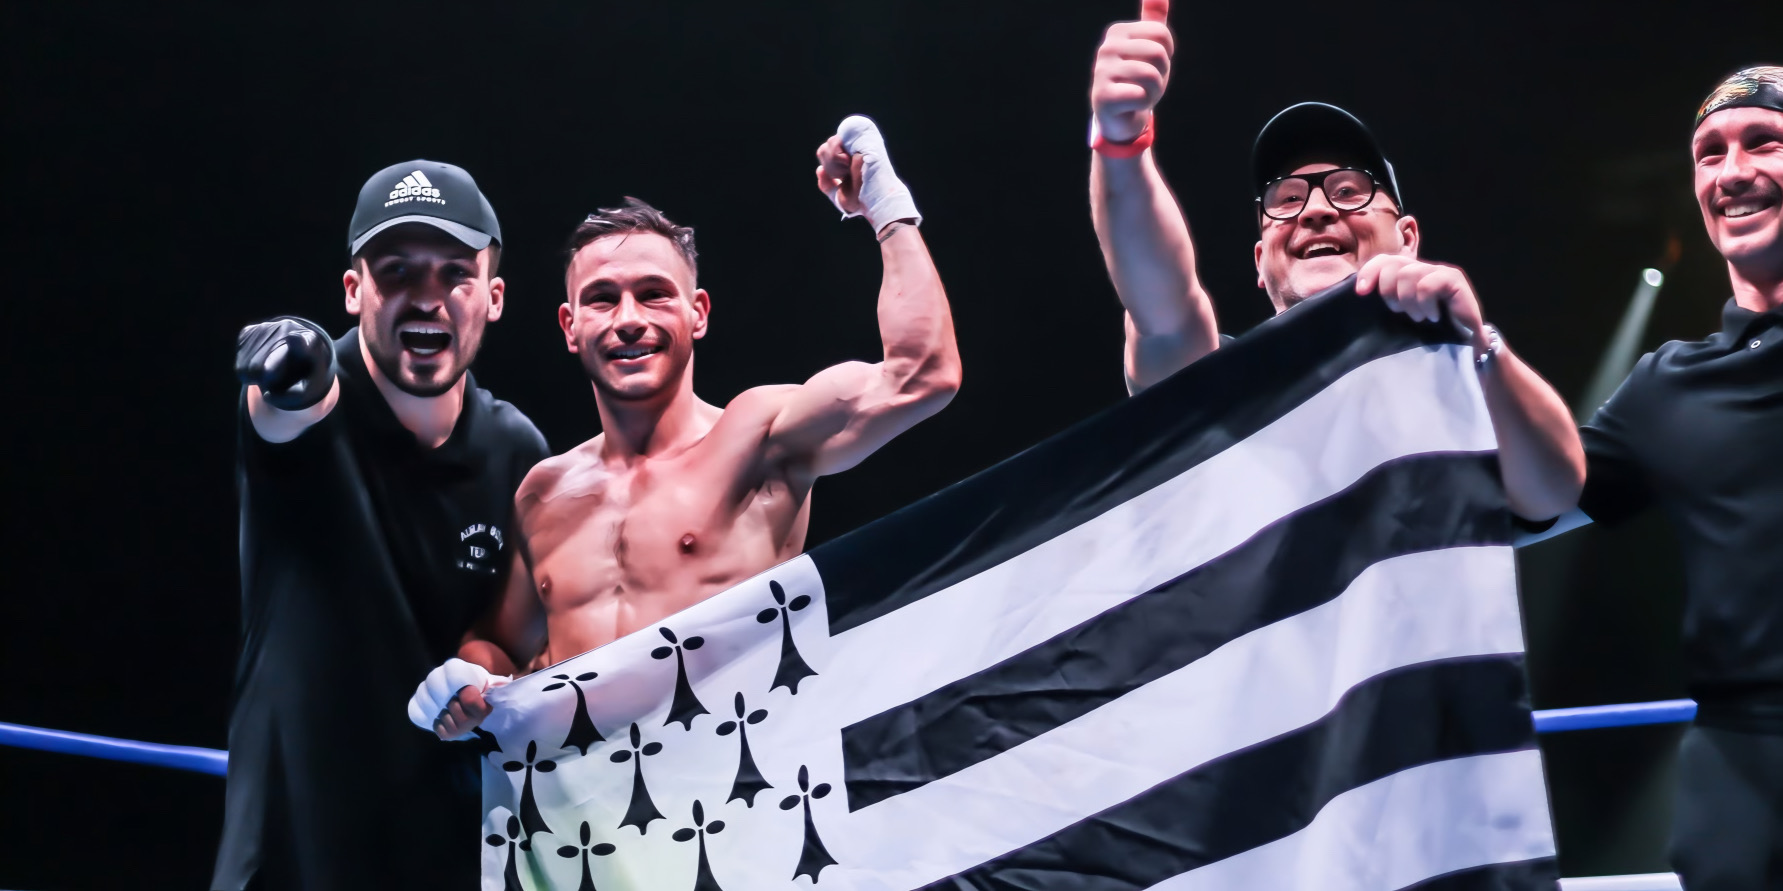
pixel 792 666
pixel 529 808
pixel 749 780
pixel 584 850
pixel 642 809
pixel 687 706
pixel 582 733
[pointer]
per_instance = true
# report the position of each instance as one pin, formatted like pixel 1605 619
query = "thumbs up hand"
pixel 1132 69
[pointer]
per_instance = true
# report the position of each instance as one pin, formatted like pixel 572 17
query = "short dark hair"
pixel 633 216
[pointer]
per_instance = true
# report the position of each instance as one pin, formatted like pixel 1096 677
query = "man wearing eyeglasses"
pixel 1328 207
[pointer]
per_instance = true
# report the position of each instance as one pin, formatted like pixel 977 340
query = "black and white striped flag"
pixel 1255 628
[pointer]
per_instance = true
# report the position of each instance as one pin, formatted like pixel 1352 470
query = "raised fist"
pixel 1132 69
pixel 291 360
pixel 855 171
pixel 839 175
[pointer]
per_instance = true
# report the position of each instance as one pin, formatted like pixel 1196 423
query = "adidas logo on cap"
pixel 415 187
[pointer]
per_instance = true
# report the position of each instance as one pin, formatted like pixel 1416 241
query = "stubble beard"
pixel 390 365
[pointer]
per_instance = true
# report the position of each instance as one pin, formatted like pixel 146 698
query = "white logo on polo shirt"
pixel 479 544
pixel 415 187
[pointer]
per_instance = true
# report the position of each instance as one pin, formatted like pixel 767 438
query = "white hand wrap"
pixel 436 692
pixel 884 196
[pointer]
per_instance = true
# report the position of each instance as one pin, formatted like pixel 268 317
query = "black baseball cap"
pixel 1314 131
pixel 440 195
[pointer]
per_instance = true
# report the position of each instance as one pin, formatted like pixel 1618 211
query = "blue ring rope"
pixel 1631 714
pixel 211 761
pixel 215 762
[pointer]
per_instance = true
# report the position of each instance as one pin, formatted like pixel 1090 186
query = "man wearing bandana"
pixel 1697 431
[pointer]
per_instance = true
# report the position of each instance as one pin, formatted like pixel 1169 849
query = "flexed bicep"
pixel 845 413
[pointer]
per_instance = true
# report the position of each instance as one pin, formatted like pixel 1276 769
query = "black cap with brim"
pixel 427 192
pixel 1314 132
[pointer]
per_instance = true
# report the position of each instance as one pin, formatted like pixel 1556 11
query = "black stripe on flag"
pixel 1401 719
pixel 1111 457
pixel 1523 875
pixel 1413 504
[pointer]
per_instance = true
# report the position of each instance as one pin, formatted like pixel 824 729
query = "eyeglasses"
pixel 1346 188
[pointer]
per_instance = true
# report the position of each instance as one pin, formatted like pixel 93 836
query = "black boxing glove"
pixel 290 359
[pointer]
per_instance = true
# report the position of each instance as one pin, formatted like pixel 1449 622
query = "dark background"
pixel 173 173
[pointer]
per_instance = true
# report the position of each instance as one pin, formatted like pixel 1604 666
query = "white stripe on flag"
pixel 1400 830
pixel 1420 607
pixel 1402 404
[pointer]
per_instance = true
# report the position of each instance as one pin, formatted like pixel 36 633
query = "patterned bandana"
pixel 1760 86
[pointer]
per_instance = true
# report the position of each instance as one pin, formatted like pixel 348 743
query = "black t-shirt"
pixel 364 559
pixel 1697 430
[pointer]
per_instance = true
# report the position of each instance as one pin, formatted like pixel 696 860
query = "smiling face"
pixel 1322 246
pixel 423 299
pixel 1738 155
pixel 633 315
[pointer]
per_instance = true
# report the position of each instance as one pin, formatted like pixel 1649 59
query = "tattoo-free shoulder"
pixel 545 476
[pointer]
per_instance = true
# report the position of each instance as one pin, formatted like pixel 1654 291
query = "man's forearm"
pixel 915 323
pixel 1539 452
pixel 1151 262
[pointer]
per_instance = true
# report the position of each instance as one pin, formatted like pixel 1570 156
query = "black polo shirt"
pixel 1697 430
pixel 364 559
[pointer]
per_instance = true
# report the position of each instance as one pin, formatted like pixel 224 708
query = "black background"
pixel 173 173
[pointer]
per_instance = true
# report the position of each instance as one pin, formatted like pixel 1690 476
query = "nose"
pixel 1318 209
pixel 429 294
pixel 628 319
pixel 1736 172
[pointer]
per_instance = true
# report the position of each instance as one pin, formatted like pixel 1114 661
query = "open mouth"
pixel 1321 248
pixel 424 339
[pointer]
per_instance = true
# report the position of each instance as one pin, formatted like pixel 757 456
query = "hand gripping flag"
pixel 1256 627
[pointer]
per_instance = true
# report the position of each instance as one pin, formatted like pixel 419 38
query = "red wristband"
pixel 1134 149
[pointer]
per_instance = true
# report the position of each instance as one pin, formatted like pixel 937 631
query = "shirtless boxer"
pixel 678 499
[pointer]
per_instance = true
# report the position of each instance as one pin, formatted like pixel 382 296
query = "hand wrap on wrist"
pixel 885 197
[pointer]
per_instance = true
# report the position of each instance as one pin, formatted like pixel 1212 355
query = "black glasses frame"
pixel 1317 181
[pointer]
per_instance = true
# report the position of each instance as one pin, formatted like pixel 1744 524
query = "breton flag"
pixel 1255 628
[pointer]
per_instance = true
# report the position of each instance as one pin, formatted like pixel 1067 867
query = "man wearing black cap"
pixel 1328 207
pixel 1697 431
pixel 377 484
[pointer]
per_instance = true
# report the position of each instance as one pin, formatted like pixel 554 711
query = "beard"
pixel 387 355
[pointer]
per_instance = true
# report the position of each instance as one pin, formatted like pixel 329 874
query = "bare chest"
pixel 670 529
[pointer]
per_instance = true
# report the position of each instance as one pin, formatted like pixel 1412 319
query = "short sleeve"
pixel 527 445
pixel 1616 481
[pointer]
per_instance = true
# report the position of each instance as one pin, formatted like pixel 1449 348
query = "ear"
pixel 497 290
pixel 1408 234
pixel 566 319
pixel 1257 258
pixel 351 283
pixel 702 312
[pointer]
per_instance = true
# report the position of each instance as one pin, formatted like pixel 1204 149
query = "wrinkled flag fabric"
pixel 1256 627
